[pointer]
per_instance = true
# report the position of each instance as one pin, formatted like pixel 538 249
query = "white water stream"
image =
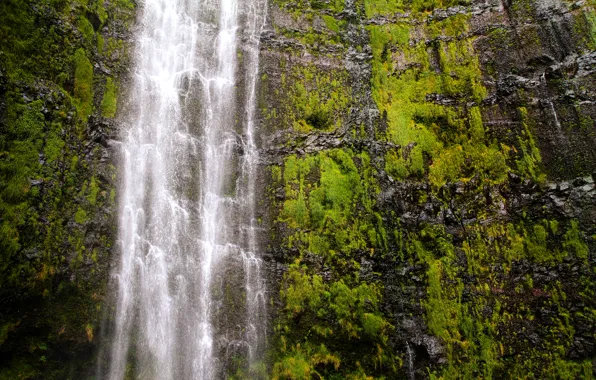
pixel 190 294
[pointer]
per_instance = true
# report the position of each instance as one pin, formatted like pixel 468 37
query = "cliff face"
pixel 60 63
pixel 428 197
pixel 430 202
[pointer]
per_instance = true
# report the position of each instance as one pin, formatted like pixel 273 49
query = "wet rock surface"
pixel 57 188
pixel 484 275
pixel 449 251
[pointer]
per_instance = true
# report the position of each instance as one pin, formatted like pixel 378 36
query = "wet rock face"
pixel 470 126
pixel 539 54
pixel 428 202
pixel 61 64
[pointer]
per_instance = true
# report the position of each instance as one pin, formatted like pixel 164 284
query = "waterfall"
pixel 190 295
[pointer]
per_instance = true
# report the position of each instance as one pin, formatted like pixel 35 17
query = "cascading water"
pixel 190 295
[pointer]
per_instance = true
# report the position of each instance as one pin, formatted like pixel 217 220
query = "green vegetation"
pixel 317 99
pixel 529 160
pixel 108 103
pixel 310 14
pixel 334 215
pixel 331 327
pixel 302 7
pixel 19 146
pixel 83 84
pixel 86 29
pixel 49 188
pixel 386 7
pixel 506 295
pixel 475 332
pixel 448 142
pixel 487 298
pixel 331 23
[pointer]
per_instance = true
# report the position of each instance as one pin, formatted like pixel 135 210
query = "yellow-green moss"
pixel 331 23
pixel 321 317
pixel 318 99
pixel 83 84
pixel 446 142
pixel 86 29
pixel 529 159
pixel 327 208
pixel 108 103
pixel 472 328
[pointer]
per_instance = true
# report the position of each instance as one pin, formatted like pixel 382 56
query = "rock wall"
pixel 428 205
pixel 430 201
pixel 60 67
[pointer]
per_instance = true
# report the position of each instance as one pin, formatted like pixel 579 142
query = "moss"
pixel 529 158
pixel 383 7
pixel 395 165
pixel 83 84
pixel 20 145
pixel 114 47
pixel 459 163
pixel 276 173
pixel 337 314
pixel 574 242
pixel 446 143
pixel 386 7
pixel 329 207
pixel 307 7
pixel 317 99
pixel 446 167
pixel 100 44
pixel 54 147
pixel 18 369
pixel 93 191
pixel 126 4
pixel 331 201
pixel 108 103
pixel 80 216
pixel 475 317
pixel 46 87
pixel 486 296
pixel 100 10
pixel 331 23
pixel 300 363
pixel 5 330
pixel 86 29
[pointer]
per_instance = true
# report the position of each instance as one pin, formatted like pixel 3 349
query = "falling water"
pixel 410 369
pixel 190 295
